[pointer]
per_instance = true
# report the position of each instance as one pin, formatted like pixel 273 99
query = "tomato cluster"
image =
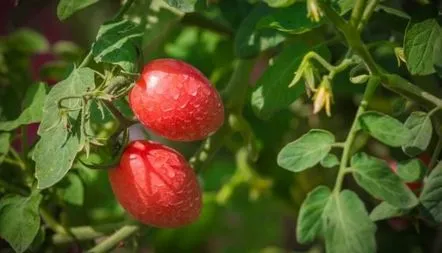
pixel 154 183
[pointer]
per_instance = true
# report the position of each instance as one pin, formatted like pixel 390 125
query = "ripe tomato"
pixel 155 184
pixel 176 101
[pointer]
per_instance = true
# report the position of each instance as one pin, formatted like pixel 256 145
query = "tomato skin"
pixel 155 184
pixel 176 101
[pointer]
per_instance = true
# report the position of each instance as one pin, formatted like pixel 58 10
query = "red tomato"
pixel 176 101
pixel 155 184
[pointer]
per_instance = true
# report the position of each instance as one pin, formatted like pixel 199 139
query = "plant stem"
pixel 86 60
pixel 392 82
pixel 372 84
pixel 368 12
pixel 234 96
pixel 124 9
pixel 435 154
pixel 19 161
pixel 13 188
pixel 84 233
pixel 236 90
pixel 54 224
pixel 356 14
pixel 109 243
pixel 122 120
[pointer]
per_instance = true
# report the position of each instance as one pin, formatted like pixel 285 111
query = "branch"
pixel 109 243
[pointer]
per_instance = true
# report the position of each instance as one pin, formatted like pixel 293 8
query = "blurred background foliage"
pixel 240 214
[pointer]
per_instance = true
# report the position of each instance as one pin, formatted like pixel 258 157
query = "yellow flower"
pixel 313 10
pixel 323 98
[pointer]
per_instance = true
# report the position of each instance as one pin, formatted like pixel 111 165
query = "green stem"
pixel 122 120
pixel 368 12
pixel 435 154
pixel 236 90
pixel 86 60
pixel 18 159
pixel 13 188
pixel 13 162
pixel 124 9
pixel 110 242
pixel 52 223
pixel 84 233
pixel 357 12
pixel 372 84
pixel 392 82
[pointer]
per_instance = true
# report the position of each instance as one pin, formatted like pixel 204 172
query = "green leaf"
pixel 32 104
pixel 347 226
pixel 279 3
pixel 56 138
pixel 420 42
pixel 385 211
pixel 5 140
pixel 419 124
pixel 19 220
pixel 306 151
pixel 66 8
pixel 411 170
pixel 272 92
pixel 72 190
pixel 431 196
pixel 28 41
pixel 309 219
pixel 330 161
pixel 118 43
pixel 248 41
pixel 282 19
pixel 187 5
pixel 385 129
pixel 376 177
pixel 76 84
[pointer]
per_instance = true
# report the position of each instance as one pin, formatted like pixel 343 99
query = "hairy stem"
pixel 372 84
pixel 109 243
pixel 356 14
pixel 84 233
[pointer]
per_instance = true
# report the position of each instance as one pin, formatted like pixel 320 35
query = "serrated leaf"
pixel 385 129
pixel 306 151
pixel 71 190
pixel 33 103
pixel 28 41
pixel 66 8
pixel 19 220
pixel 330 161
pixel 117 43
pixel 347 226
pixel 420 42
pixel 77 83
pixel 272 92
pixel 248 41
pixel 5 140
pixel 309 219
pixel 385 211
pixel 376 177
pixel 187 5
pixel 282 19
pixel 55 137
pixel 411 170
pixel 431 196
pixel 421 131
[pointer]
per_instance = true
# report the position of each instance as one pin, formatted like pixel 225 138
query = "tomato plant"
pixel 220 126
